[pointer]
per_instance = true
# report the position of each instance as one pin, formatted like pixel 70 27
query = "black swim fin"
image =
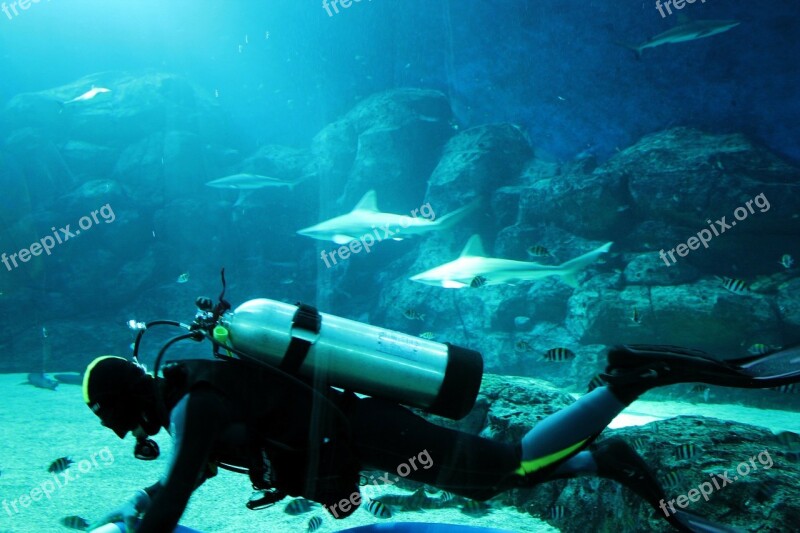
pixel 650 366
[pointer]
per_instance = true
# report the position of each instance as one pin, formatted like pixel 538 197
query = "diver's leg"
pixel 567 432
pixel 391 438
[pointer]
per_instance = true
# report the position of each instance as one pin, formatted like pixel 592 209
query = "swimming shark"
pixel 88 95
pixel 686 30
pixel 474 269
pixel 246 182
pixel 365 218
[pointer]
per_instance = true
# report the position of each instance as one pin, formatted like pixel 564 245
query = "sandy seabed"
pixel 39 426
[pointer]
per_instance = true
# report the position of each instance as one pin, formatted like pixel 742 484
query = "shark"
pixel 249 182
pixel 366 218
pixel 686 30
pixel 88 95
pixel 474 268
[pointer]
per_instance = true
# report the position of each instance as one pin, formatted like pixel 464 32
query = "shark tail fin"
pixel 636 49
pixel 573 267
pixel 451 219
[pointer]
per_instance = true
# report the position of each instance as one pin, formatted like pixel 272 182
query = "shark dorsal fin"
pixel 369 202
pixel 474 247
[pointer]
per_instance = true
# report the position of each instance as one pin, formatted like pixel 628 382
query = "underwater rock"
pixel 389 142
pixel 591 204
pixel 684 176
pixel 647 268
pixel 85 158
pixel 788 301
pixel 702 315
pixel 280 162
pixel 478 162
pixel 136 106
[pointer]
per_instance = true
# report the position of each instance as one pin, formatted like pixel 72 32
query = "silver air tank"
pixel 442 379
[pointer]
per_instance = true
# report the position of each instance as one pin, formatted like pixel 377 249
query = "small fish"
pixel 40 381
pixel 60 465
pixel 446 497
pixel 699 389
pixel 183 278
pixel 786 261
pixel 557 512
pixel 762 349
pixel 736 286
pixel 246 39
pixel 75 522
pixel 636 317
pixel 672 479
pixel 216 93
pixel 412 314
pixel 559 355
pixel 475 508
pixel 595 382
pixel 378 509
pixel 686 451
pixel 266 35
pixel 241 48
pixel 537 250
pixel 314 524
pixel 477 282
pixel 429 335
pixel 297 506
pixel 522 346
pixel 789 388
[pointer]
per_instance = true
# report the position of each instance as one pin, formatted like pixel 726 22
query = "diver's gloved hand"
pixel 127 512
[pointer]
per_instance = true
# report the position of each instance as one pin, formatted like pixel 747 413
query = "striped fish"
pixel 428 335
pixel 672 479
pixel 297 506
pixel 75 522
pixel 789 388
pixel 559 355
pixel 639 443
pixel 475 508
pixel 686 451
pixel 477 282
pixel 378 509
pixel 537 250
pixel 60 464
pixel 596 381
pixel 557 512
pixel 314 524
pixel 736 286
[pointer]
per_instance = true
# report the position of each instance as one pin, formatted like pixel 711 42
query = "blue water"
pixel 536 115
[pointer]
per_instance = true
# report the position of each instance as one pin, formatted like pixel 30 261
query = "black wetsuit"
pixel 292 440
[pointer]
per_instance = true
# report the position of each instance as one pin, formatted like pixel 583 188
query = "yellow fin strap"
pixel 532 465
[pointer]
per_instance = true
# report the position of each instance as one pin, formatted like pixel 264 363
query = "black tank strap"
pixel 308 319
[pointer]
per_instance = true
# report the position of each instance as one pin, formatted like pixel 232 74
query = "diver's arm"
pixel 198 420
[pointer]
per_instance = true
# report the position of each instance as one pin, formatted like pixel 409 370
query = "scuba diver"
pixel 295 434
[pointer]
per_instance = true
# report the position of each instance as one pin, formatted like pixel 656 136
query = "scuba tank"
pixel 442 379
